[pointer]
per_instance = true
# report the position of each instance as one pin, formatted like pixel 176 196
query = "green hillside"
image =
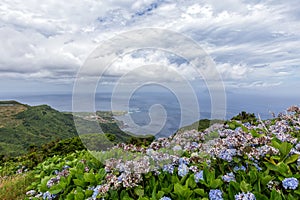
pixel 23 127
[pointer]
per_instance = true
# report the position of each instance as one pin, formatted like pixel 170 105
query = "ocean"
pixel 166 116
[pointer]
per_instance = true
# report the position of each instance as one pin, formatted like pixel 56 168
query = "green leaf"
pixel 178 188
pixel 208 176
pixel 275 195
pixel 253 176
pixel 55 189
pixel 231 125
pixel 254 133
pixel 89 193
pixel 260 196
pixel 71 196
pixel 100 175
pixel 79 196
pixel 124 194
pixel 266 179
pixel 271 166
pixel 291 159
pixel 160 194
pixel 283 169
pixel 191 182
pixel 143 198
pixel 275 144
pixel 90 178
pixel 285 148
pixel 245 187
pixel 199 191
pixel 168 189
pixel 43 186
pixel 216 183
pixel 139 191
pixel 291 197
pixel 78 182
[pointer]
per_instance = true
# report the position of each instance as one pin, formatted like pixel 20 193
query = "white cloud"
pixel 51 40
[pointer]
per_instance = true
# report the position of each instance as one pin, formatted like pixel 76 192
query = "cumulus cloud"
pixel 253 43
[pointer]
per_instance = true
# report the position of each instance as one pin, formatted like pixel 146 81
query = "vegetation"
pixel 236 160
pixel 201 125
pixel 23 127
pixel 245 117
pixel 15 187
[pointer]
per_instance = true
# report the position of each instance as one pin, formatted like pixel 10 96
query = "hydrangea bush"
pixel 236 160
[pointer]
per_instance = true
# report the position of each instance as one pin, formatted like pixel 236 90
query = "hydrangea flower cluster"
pixel 227 154
pixel 51 182
pixel 241 168
pixel 164 154
pixel 169 168
pixel 215 195
pixel 199 176
pixel 183 170
pixel 230 144
pixel 290 183
pixel 245 196
pixel 165 198
pixel 228 177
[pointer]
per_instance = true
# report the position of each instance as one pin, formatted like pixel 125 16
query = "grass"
pixel 7 113
pixel 14 187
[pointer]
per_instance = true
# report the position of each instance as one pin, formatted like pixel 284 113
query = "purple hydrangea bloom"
pixel 290 183
pixel 215 195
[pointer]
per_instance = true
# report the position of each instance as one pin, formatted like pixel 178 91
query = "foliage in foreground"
pixel 15 187
pixel 232 161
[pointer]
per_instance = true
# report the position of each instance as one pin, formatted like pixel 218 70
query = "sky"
pixel 254 44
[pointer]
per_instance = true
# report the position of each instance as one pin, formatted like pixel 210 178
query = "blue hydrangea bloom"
pixel 215 195
pixel 165 198
pixel 245 196
pixel 183 161
pixel 237 168
pixel 48 196
pixel 247 124
pixel 183 170
pixel 66 167
pixel 290 183
pixel 199 176
pixel 227 154
pixel 96 191
pixel 228 177
pixel 238 129
pixel 168 168
pixel 257 166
